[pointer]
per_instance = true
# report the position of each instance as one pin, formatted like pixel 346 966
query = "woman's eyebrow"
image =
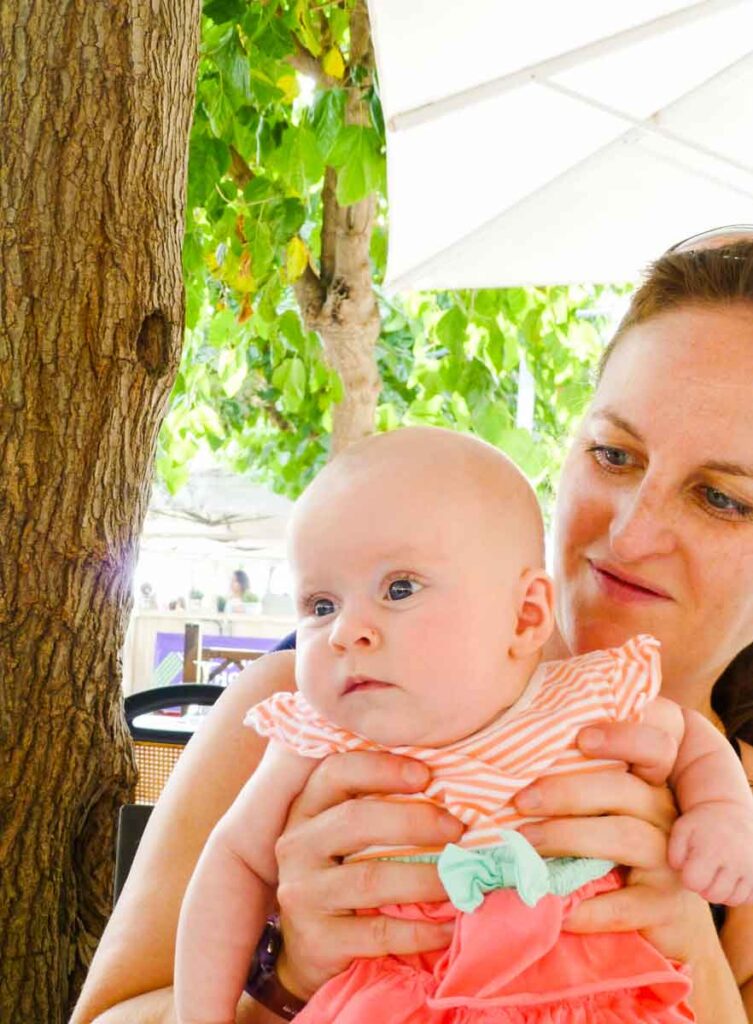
pixel 614 418
pixel 714 465
pixel 730 468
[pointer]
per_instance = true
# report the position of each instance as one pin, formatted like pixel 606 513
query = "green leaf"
pixel 523 450
pixel 222 328
pixel 209 159
pixel 290 380
pixel 232 63
pixel 491 421
pixel 517 301
pixel 221 11
pixel 451 331
pixel 305 29
pixel 218 106
pixel 259 190
pixel 298 160
pixel 329 119
pixel 232 369
pixel 289 326
pixel 262 251
pixel 356 154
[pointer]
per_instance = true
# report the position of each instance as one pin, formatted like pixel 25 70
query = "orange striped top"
pixel 476 777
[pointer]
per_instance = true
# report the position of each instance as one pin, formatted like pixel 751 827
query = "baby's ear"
pixel 535 613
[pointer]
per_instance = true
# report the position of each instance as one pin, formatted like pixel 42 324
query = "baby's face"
pixel 407 608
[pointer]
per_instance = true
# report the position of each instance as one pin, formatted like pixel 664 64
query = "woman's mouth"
pixel 624 587
pixel 357 684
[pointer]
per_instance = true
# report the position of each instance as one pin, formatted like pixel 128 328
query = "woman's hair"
pixel 699 277
pixel 703 277
pixel 242 577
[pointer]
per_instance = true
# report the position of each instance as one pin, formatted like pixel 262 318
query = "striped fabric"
pixel 476 777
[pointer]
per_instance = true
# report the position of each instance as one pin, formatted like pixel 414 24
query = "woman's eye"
pixel 722 502
pixel 610 457
pixel 398 590
pixel 322 606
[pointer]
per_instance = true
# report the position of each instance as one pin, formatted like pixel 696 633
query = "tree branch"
pixel 310 294
pixel 330 213
pixel 305 62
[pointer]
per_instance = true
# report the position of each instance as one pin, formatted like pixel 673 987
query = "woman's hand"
pixel 318 894
pixel 620 817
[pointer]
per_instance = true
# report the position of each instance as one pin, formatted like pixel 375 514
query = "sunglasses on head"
pixel 715 238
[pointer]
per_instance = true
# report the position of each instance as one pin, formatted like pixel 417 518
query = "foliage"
pixel 253 385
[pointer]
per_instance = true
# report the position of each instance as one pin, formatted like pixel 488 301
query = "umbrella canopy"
pixel 216 507
pixel 546 142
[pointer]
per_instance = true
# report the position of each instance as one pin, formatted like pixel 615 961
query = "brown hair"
pixel 702 277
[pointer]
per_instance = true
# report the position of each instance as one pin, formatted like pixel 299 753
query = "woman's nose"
pixel 352 630
pixel 642 526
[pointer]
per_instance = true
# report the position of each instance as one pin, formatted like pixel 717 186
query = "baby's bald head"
pixel 430 474
pixel 417 567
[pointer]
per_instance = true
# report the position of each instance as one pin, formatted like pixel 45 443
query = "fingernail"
pixel 591 739
pixel 528 799
pixel 415 773
pixel 533 834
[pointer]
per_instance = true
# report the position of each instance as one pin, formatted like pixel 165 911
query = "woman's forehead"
pixel 689 365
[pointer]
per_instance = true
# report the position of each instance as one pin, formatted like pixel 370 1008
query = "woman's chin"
pixel 600 635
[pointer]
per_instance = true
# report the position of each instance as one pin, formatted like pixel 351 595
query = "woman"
pixel 654 534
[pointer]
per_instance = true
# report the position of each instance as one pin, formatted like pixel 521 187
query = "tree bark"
pixel 97 98
pixel 339 302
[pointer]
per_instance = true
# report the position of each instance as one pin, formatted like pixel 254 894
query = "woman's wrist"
pixel 715 996
pixel 264 982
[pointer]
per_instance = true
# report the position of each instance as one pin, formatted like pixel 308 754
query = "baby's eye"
pixel 322 606
pixel 398 590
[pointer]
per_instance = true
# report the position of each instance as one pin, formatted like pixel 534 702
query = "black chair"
pixel 158 747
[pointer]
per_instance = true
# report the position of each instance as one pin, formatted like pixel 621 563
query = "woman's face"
pixel 655 507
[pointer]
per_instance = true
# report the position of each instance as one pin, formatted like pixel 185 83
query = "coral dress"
pixel 509 961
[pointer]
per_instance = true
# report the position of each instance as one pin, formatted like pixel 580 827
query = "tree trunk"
pixel 339 302
pixel 97 101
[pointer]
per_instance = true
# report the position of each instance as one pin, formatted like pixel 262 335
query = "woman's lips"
pixel 355 684
pixel 624 587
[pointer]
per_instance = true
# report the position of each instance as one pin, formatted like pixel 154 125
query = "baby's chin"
pixel 392 729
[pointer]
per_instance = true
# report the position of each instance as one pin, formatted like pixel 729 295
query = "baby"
pixel 423 611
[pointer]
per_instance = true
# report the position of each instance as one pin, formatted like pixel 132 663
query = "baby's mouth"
pixel 357 684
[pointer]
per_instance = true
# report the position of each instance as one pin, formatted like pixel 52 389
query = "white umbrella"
pixel 545 142
pixel 216 506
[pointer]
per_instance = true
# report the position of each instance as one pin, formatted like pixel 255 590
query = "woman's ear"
pixel 535 614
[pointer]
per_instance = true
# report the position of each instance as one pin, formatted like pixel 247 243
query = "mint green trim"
pixel 468 874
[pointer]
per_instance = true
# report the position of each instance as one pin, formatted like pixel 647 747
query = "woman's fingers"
pixel 357 773
pixel 331 944
pixel 357 824
pixel 620 838
pixel 361 886
pixel 633 908
pixel 649 751
pixel 606 792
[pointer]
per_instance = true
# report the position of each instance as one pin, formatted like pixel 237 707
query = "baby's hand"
pixel 711 846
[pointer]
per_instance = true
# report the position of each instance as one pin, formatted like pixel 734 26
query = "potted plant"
pixel 195 597
pixel 251 602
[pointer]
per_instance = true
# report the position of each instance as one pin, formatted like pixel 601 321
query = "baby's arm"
pixel 232 890
pixel 711 844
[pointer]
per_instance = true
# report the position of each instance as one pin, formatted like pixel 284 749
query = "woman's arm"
pixel 135 954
